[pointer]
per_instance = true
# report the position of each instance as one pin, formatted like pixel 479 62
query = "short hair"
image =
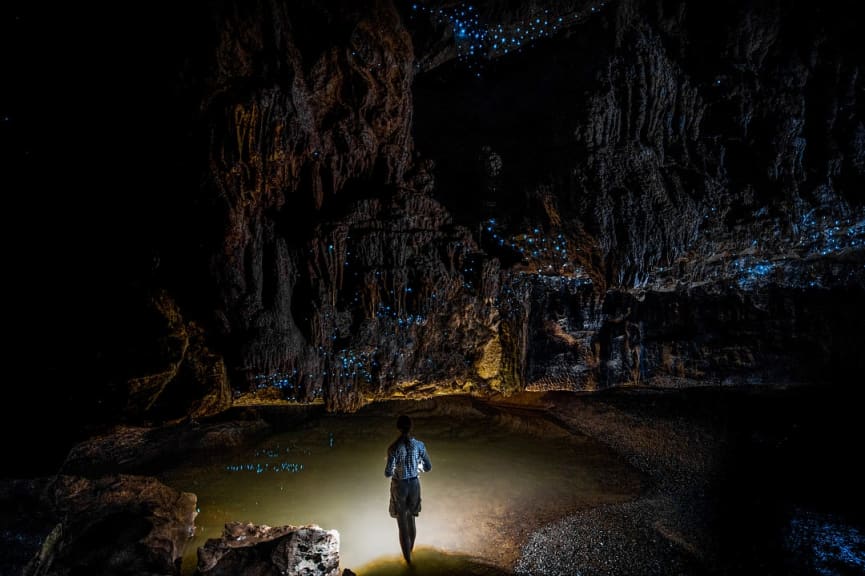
pixel 403 423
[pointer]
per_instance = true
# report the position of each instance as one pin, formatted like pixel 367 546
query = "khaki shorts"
pixel 404 495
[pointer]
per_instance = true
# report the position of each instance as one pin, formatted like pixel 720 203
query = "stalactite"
pixel 674 159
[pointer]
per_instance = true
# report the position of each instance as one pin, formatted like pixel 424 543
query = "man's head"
pixel 403 423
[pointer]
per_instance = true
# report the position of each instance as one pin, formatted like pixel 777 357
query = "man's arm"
pixel 390 465
pixel 427 465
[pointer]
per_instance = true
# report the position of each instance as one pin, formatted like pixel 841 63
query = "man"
pixel 406 458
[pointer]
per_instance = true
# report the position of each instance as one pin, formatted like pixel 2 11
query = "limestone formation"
pixel 112 525
pixel 263 550
pixel 378 199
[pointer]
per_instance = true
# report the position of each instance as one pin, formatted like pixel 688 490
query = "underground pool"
pixel 498 473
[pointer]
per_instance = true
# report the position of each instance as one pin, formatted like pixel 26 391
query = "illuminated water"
pixel 495 477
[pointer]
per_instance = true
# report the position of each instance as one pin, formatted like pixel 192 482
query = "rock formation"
pixel 399 223
pixel 141 450
pixel 117 524
pixel 353 200
pixel 264 550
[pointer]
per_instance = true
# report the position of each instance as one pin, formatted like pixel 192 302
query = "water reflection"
pixel 494 479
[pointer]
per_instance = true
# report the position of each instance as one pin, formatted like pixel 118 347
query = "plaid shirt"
pixel 403 463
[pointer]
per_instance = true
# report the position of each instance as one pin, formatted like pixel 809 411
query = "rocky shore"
pixel 738 481
pixel 737 477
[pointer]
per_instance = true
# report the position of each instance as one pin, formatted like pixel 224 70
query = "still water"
pixel 497 474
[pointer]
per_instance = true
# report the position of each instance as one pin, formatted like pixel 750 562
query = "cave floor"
pixel 735 480
pixel 732 480
pixel 745 480
pixel 499 472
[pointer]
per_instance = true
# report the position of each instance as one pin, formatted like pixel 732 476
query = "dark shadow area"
pixel 788 455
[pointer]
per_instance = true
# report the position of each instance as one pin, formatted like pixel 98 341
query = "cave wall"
pixel 701 159
pixel 687 141
pixel 647 195
pixel 337 200
pixel 334 274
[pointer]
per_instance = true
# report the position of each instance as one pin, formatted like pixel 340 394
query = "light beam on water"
pixel 494 479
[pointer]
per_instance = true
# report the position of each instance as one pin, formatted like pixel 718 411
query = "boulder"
pixel 112 526
pixel 261 550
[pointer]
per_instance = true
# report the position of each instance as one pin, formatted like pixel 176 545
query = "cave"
pixel 636 224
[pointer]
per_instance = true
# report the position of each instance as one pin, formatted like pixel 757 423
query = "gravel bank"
pixel 731 473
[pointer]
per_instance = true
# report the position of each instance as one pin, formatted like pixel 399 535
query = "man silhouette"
pixel 406 458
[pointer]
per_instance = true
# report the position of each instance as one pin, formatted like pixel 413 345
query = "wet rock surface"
pixel 263 550
pixel 737 480
pixel 127 449
pixel 116 524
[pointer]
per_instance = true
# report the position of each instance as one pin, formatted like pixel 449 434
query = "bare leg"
pixel 406 533
pixel 412 531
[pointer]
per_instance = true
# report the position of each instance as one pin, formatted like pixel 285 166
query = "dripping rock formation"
pixel 346 201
